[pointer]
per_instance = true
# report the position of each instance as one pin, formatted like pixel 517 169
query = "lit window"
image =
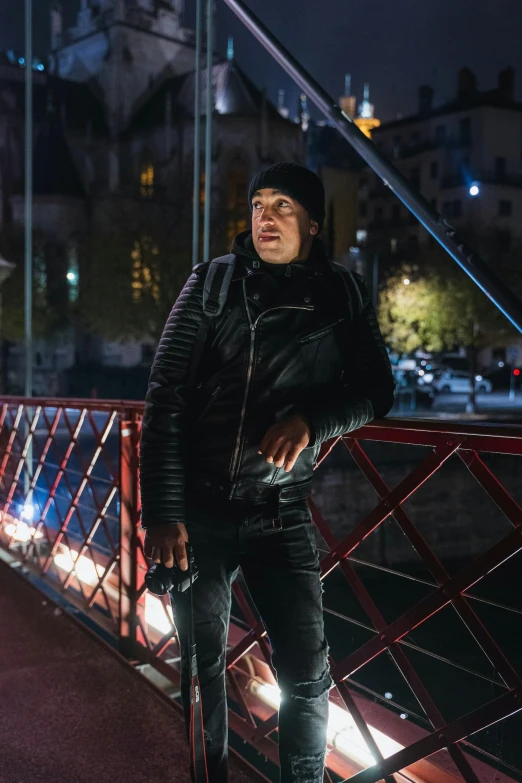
pixel 40 272
pixel 144 281
pixel 147 180
pixel 73 272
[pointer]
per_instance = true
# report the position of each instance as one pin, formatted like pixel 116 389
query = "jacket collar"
pixel 250 262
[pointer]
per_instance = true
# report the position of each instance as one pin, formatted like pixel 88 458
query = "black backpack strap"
pixel 217 283
pixel 215 291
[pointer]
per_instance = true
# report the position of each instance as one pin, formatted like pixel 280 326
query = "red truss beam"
pixel 249 654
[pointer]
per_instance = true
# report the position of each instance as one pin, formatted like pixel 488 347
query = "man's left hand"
pixel 285 440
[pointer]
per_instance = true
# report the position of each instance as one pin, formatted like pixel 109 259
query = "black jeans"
pixel 281 569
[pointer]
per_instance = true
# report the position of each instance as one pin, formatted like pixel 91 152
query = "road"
pixel 495 406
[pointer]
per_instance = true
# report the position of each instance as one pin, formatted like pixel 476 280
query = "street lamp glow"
pixel 474 189
pixel 71 277
pixel 406 281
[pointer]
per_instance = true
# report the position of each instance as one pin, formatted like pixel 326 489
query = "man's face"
pixel 282 229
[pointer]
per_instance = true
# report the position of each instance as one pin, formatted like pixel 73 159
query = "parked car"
pixel 428 372
pixel 501 377
pixel 455 381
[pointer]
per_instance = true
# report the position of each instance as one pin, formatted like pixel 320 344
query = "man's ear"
pixel 314 227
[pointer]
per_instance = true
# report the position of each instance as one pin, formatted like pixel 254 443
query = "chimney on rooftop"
pixel 467 83
pixel 506 84
pixel 425 99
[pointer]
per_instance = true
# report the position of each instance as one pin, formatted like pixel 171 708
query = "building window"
pixel 40 271
pixel 396 214
pixel 434 169
pixel 465 130
pixel 440 133
pixel 457 208
pixel 415 178
pixel 504 241
pixel 505 208
pixel 144 276
pixel 363 208
pixel 147 179
pixel 393 245
pixel 73 272
pixel 378 214
pixel 500 167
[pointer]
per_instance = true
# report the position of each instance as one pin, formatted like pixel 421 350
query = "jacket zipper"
pixel 234 469
pixel 321 332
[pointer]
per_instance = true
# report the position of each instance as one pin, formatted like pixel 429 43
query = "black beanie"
pixel 296 181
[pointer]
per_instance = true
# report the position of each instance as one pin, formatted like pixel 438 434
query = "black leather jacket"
pixel 285 342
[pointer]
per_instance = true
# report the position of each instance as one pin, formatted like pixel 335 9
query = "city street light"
pixel 406 281
pixel 474 189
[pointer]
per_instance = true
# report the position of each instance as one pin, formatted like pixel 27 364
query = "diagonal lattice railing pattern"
pixel 70 513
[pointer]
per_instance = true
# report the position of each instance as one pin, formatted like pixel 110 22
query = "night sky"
pixel 395 45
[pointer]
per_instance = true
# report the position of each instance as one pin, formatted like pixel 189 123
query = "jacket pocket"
pixel 322 332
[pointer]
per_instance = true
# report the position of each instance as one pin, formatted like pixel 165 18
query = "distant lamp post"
pixel 6 268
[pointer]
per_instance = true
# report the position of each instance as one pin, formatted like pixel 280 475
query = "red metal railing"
pixel 69 490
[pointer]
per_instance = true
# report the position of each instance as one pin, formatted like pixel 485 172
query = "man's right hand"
pixel 166 544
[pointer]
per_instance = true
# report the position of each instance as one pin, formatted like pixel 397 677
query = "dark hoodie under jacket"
pixel 286 342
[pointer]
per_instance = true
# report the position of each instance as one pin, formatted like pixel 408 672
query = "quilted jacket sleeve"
pixel 369 389
pixel 162 473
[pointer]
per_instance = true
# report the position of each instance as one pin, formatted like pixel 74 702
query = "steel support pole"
pixel 208 128
pixel 28 225
pixel 129 521
pixel 28 237
pixel 475 267
pixel 197 143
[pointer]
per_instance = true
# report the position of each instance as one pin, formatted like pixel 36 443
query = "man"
pixel 295 358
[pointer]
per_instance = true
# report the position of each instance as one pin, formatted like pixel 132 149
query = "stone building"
pixel 465 158
pixel 113 148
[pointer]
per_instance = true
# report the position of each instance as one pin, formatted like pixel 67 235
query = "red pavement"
pixel 70 710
